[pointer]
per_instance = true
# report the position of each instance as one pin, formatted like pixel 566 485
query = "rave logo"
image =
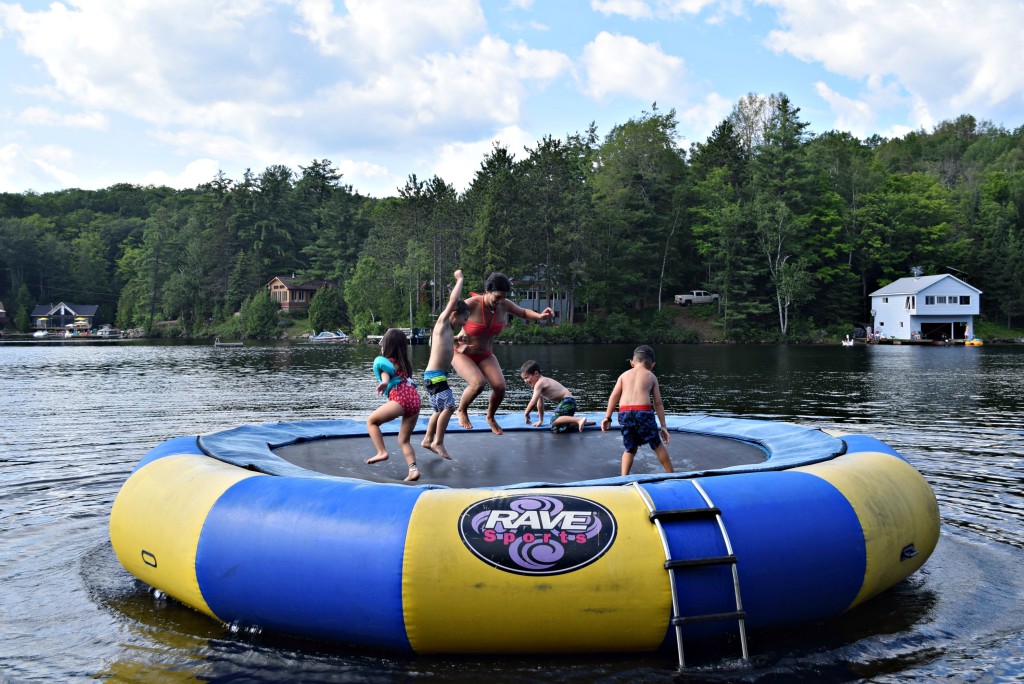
pixel 537 534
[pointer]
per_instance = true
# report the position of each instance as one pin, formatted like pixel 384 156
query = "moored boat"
pixel 329 336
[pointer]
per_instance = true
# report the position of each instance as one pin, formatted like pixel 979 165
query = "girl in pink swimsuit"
pixel 393 371
pixel 474 359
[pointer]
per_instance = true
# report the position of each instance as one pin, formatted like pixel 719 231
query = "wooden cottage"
pixel 294 294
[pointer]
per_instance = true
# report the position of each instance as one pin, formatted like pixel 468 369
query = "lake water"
pixel 75 419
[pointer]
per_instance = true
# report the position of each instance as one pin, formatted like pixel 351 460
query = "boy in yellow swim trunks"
pixel 435 377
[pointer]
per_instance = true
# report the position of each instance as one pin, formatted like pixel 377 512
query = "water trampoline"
pixel 527 542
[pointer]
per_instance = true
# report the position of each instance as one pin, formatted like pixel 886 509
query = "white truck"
pixel 695 297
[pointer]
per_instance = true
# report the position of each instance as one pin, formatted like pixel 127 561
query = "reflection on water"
pixel 75 419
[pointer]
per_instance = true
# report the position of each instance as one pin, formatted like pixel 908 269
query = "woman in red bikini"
pixel 474 357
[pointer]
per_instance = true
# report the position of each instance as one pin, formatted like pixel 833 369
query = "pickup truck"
pixel 695 297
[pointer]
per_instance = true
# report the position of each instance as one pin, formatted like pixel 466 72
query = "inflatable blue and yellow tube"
pixel 824 524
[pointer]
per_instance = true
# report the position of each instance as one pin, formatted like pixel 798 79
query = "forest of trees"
pixel 792 229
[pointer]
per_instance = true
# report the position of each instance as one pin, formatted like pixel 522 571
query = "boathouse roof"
pixel 905 286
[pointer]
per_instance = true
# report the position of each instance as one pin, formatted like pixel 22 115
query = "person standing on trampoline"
pixel 393 371
pixel 435 377
pixel 638 397
pixel 474 357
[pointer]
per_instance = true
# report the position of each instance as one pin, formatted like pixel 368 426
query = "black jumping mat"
pixel 483 459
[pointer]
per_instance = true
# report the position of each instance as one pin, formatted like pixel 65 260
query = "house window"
pixel 901 324
pixel 910 303
pixel 929 300
pixel 941 299
pixel 965 300
pixel 885 300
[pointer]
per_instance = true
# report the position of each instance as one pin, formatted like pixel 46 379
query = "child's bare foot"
pixel 414 473
pixel 438 448
pixel 584 422
pixel 463 417
pixel 428 444
pixel 495 428
pixel 378 458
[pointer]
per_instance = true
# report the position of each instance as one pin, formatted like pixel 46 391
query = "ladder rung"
pixel 699 562
pixel 711 617
pixel 685 514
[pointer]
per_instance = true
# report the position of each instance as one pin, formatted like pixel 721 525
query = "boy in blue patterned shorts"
pixel 435 377
pixel 563 416
pixel 638 397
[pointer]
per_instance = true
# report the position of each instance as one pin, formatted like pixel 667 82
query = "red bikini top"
pixel 492 327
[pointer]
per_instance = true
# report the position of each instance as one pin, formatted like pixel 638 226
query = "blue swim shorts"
pixel 639 427
pixel 438 392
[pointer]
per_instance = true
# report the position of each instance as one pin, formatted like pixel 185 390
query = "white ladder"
pixel 674 565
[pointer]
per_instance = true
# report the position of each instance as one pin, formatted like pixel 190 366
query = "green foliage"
pixel 373 302
pixel 259 316
pixel 651 327
pixel 325 310
pixel 22 320
pixel 990 330
pixel 792 230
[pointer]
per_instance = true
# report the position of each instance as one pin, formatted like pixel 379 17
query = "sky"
pixel 173 92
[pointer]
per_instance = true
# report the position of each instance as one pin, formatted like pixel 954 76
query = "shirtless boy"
pixel 552 390
pixel 435 377
pixel 637 395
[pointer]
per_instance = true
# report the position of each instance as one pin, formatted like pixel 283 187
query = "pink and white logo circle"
pixel 537 534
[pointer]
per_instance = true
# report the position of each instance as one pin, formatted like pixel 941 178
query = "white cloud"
pixel 195 173
pixel 44 116
pixel 457 163
pixel 252 82
pixel 123 55
pixel 369 178
pixel 622 65
pixel 40 168
pixel 853 116
pixel 382 32
pixel 699 120
pixel 634 9
pixel 666 9
pixel 947 57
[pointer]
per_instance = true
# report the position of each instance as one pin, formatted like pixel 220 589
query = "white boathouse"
pixel 934 307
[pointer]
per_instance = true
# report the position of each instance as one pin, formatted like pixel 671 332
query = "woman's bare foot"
pixel 438 448
pixel 463 417
pixel 495 428
pixel 377 459
pixel 414 473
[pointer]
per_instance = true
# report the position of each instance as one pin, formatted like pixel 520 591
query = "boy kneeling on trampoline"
pixel 638 397
pixel 563 416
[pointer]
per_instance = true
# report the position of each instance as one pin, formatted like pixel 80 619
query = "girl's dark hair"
pixel 395 346
pixel 498 282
